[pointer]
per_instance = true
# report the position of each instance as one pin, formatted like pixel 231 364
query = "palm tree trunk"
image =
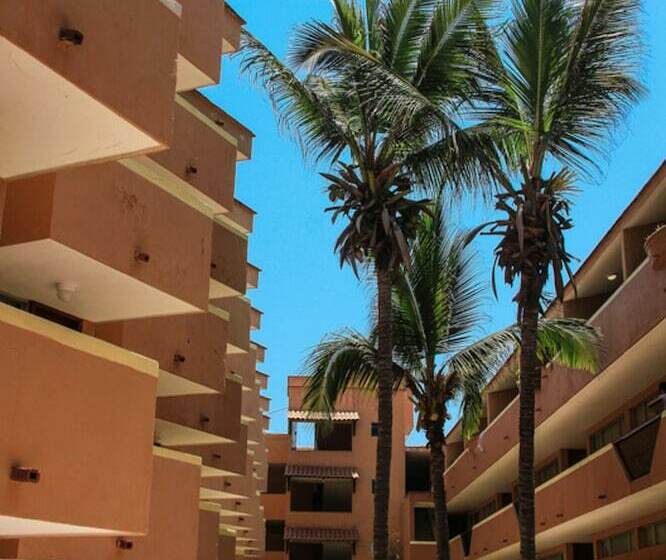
pixel 529 370
pixel 436 443
pixel 385 413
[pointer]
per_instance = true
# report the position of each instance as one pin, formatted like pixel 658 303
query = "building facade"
pixel 600 439
pixel 132 422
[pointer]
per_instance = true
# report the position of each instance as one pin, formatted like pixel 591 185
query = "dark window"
pixel 417 472
pixel 313 495
pixel 374 429
pixel 544 474
pixel 43 311
pixel 608 434
pixel 55 316
pixel 373 485
pixel 337 437
pixel 643 412
pixel 424 520
pixel 277 482
pixel 614 545
pixel 274 536
pixel 652 535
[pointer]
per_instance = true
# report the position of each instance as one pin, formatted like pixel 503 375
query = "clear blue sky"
pixel 303 293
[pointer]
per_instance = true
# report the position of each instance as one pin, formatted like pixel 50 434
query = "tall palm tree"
pixel 328 97
pixel 436 315
pixel 558 77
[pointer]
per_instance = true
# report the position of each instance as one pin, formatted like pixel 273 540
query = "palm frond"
pixel 343 359
pixel 598 84
pixel 569 342
pixel 304 108
pixel 403 31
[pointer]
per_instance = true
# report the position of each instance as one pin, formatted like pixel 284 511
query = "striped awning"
pixel 321 471
pixel 306 415
pixel 320 534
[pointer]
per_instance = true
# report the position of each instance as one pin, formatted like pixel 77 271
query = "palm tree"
pixel 378 157
pixel 436 314
pixel 558 78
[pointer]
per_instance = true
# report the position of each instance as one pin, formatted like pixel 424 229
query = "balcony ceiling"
pixel 48 123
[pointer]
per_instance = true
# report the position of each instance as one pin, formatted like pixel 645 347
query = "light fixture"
pixel 612 277
pixel 66 290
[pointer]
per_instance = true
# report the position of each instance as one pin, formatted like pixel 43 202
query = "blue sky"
pixel 303 292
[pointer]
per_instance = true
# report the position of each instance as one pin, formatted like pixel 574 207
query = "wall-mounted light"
pixel 141 256
pixel 24 474
pixel 124 544
pixel 66 290
pixel 191 169
pixel 178 358
pixel 71 36
pixel 612 277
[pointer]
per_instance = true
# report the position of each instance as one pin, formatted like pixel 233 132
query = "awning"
pixel 320 534
pixel 305 415
pixel 320 471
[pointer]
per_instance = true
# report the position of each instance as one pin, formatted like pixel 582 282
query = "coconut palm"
pixel 559 77
pixel 436 315
pixel 330 96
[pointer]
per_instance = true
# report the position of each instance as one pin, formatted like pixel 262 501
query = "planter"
pixel 655 247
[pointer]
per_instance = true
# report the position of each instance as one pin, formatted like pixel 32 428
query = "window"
pixel 337 437
pixel 424 520
pixel 274 536
pixel 643 412
pixel 544 474
pixel 608 434
pixel 277 482
pixel 652 535
pixel 317 495
pixel 617 544
pixel 374 429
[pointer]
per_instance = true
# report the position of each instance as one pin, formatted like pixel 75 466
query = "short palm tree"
pixel 328 97
pixel 559 77
pixel 436 315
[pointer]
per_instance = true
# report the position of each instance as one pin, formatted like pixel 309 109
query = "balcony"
pixel 228 268
pixel 220 460
pixel 199 167
pixel 209 530
pixel 84 82
pixel 244 365
pixel 65 394
pixel 171 535
pixel 199 419
pixel 190 350
pixel 200 50
pixel 252 275
pixel 593 495
pixel 633 344
pixel 235 133
pixel 99 243
pixel 238 309
pixel 233 25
